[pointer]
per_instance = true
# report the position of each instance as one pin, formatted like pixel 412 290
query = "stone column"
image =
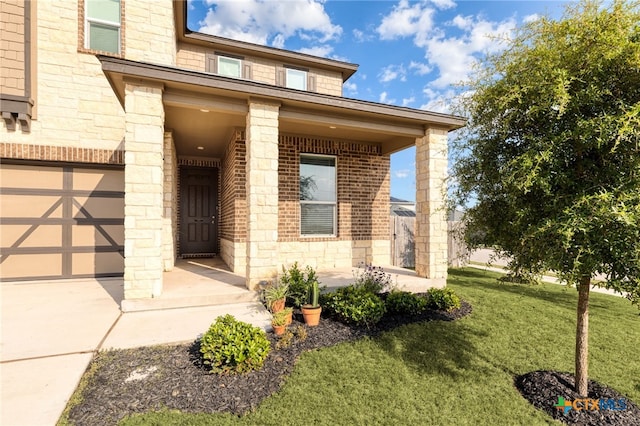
pixel 143 186
pixel 262 191
pixel 170 206
pixel 431 215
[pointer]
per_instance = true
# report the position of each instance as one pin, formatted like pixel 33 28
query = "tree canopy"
pixel 551 155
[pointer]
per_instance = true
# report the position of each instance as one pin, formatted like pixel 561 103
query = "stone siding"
pixel 144 190
pixel 170 203
pixel 12 62
pixel 431 213
pixel 262 192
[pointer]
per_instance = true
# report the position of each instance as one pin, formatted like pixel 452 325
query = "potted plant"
pixel 279 322
pixel 275 296
pixel 311 311
pixel 288 313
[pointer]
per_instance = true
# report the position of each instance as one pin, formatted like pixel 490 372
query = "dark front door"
pixel 198 211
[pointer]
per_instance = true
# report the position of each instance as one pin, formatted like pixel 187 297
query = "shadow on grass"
pixel 433 348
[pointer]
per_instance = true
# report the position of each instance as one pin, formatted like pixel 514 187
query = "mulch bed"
pixel 542 389
pixel 173 377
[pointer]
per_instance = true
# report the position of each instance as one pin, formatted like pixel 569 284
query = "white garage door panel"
pixel 61 222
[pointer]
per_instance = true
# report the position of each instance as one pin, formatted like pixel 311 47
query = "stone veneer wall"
pixel 170 203
pixel 12 50
pixel 144 190
pixel 431 215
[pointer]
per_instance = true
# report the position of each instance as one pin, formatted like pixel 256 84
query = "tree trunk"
pixel 582 336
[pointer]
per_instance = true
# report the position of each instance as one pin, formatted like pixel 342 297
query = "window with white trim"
pixel 317 195
pixel 102 25
pixel 296 79
pixel 229 67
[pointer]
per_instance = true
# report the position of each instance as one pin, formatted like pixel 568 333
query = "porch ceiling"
pixel 204 109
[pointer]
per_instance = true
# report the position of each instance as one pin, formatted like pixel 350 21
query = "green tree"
pixel 550 160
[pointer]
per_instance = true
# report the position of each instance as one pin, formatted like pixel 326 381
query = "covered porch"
pixel 254 134
pixel 209 282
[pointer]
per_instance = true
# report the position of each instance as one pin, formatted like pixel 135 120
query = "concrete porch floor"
pixel 209 282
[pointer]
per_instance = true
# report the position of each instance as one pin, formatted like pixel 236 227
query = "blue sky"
pixel 410 53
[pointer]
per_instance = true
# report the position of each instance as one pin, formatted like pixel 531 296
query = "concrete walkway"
pixel 51 330
pixel 486 259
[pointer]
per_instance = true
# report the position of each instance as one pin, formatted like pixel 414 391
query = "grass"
pixel 459 372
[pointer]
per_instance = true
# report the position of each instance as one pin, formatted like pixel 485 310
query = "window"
pixel 102 25
pixel 296 79
pixel 229 67
pixel 317 195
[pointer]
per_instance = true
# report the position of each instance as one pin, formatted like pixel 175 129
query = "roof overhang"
pixel 305 113
pixel 185 35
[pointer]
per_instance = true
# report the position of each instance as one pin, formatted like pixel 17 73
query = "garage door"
pixel 61 222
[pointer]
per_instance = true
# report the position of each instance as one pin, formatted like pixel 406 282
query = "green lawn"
pixel 453 373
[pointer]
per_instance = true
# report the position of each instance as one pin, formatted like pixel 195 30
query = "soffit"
pixel 187 93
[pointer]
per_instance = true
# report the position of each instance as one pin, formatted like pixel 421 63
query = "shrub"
pixel 354 305
pixel 372 279
pixel 442 299
pixel 234 346
pixel 403 302
pixel 299 283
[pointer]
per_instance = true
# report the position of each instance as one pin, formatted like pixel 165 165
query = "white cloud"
pixel 438 101
pixel 463 22
pixel 444 4
pixel 530 18
pixel 351 88
pixel 455 57
pixel 361 36
pixel 406 20
pixel 403 173
pixel 384 100
pixel 408 101
pixel 420 68
pixel 258 21
pixel 392 72
pixel 324 50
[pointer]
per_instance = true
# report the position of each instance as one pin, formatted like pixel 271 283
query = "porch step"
pixel 189 300
pixel 169 326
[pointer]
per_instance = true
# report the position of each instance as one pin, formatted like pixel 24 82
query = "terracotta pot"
pixel 279 329
pixel 289 318
pixel 277 305
pixel 311 315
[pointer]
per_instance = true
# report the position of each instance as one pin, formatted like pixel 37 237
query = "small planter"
pixel 289 319
pixel 311 315
pixel 279 329
pixel 277 305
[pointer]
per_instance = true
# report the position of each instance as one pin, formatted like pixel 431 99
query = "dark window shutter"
pixel 246 71
pixel 311 82
pixel 211 64
pixel 280 77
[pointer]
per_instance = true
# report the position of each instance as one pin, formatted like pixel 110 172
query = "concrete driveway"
pixel 50 331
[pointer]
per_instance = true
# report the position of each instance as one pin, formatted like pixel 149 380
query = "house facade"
pixel 129 141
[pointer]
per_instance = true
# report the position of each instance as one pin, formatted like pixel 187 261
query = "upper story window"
pixel 318 195
pixel 102 25
pixel 228 66
pixel 296 79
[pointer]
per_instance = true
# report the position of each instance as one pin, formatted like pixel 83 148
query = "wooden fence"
pixel 403 252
